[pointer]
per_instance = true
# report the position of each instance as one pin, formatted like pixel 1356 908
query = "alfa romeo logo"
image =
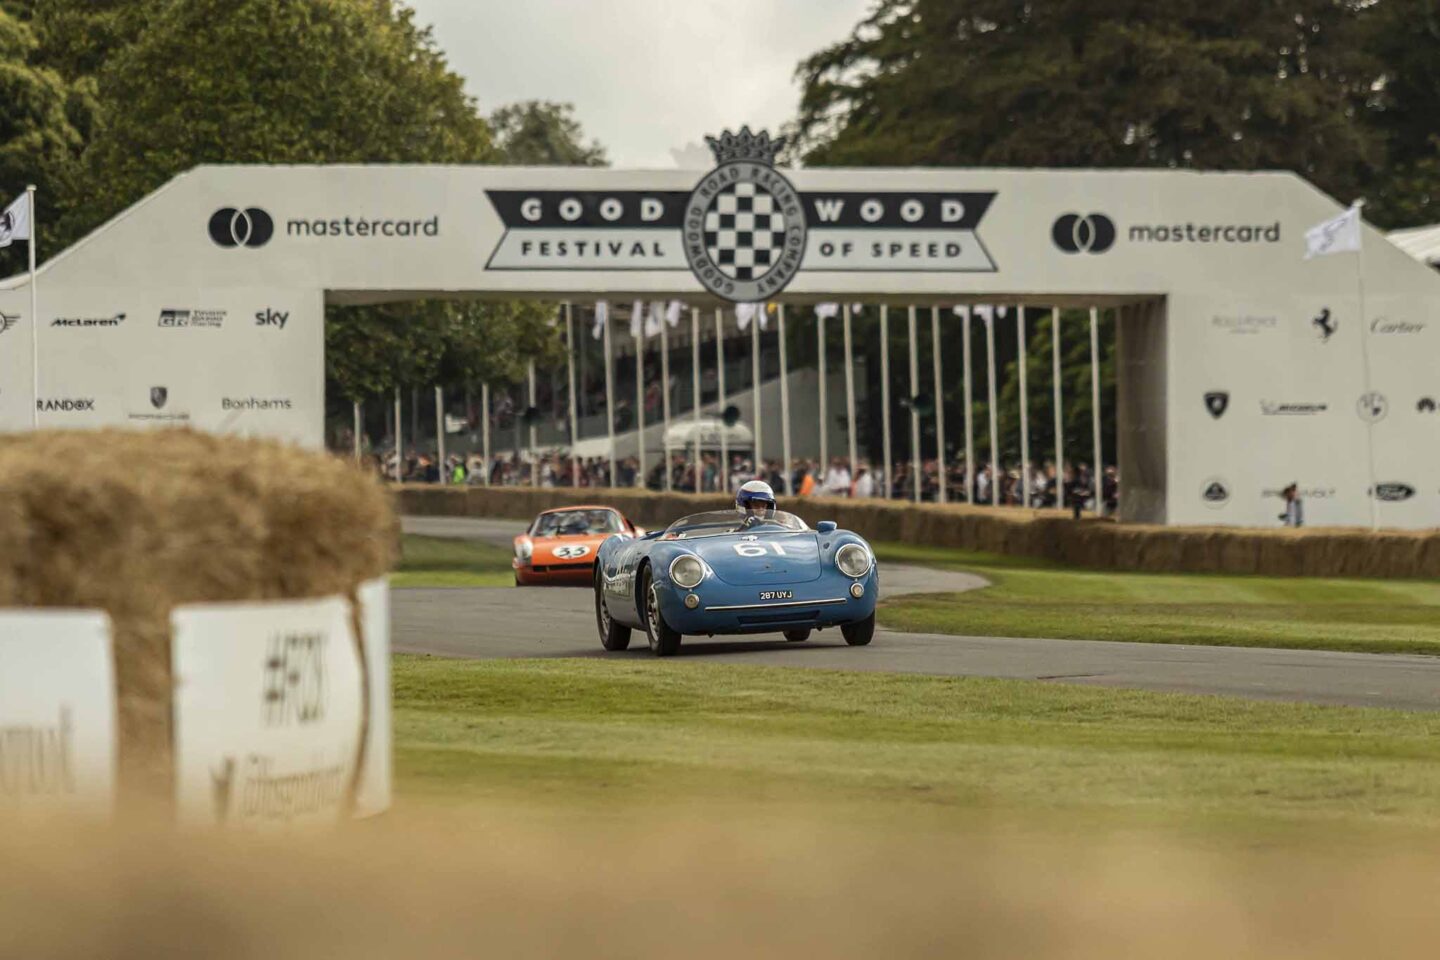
pixel 744 224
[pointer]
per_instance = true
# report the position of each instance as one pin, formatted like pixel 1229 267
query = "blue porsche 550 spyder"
pixel 727 573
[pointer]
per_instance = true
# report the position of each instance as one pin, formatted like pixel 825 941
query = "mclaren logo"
pixel 1084 233
pixel 251 227
pixel 744 225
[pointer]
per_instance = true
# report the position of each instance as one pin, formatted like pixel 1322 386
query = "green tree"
pixel 542 133
pixel 1406 39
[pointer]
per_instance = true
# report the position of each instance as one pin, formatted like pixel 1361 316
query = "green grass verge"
pixel 439 562
pixel 1030 598
pixel 638 737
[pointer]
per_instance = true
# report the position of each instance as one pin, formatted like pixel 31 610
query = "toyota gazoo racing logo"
pixel 251 227
pixel 1083 233
pixel 744 224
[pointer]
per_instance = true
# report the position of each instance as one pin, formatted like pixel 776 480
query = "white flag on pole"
pixel 637 318
pixel 15 221
pixel 826 310
pixel 602 316
pixel 1338 235
pixel 744 313
pixel 672 313
pixel 655 319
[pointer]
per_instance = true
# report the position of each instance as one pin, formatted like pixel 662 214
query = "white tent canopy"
pixel 708 430
pixel 1422 243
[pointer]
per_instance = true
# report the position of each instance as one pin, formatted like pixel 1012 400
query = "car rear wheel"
pixel 664 639
pixel 859 633
pixel 797 636
pixel 612 635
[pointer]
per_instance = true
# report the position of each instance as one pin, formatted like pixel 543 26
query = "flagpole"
pixel 695 394
pixel 355 404
pixel 34 310
pixel 916 470
pixel 755 384
pixel 1364 359
pixel 785 470
pixel 850 396
pixel 440 434
pixel 824 414
pixel 1097 474
pixel 941 495
pixel 994 414
pixel 609 401
pixel 724 483
pixel 665 393
pixel 640 402
pixel 1059 420
pixel 885 395
pixel 574 415
pixel 399 437
pixel 969 413
pixel 485 428
pixel 530 435
pixel 1023 359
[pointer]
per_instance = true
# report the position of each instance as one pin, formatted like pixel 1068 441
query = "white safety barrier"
pixel 373 795
pixel 57 712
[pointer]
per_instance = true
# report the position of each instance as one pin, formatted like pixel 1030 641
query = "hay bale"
pixel 137 524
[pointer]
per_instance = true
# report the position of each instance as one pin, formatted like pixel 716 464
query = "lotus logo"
pixel 251 227
pixel 1215 493
pixel 1392 492
pixel 1217 402
pixel 1088 233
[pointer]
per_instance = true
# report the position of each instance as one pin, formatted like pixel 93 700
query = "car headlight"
pixel 524 550
pixel 853 560
pixel 687 571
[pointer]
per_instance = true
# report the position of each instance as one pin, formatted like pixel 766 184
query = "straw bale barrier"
pixel 137 523
pixel 1047 534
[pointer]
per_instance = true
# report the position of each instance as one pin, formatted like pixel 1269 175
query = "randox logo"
pixel 67 405
pixel 1087 233
pixel 7 321
pixel 1217 402
pixel 744 225
pixel 1372 407
pixel 1324 325
pixel 1392 492
pixel 251 227
pixel 1215 493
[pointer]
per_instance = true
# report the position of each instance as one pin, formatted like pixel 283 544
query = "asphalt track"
pixel 492 623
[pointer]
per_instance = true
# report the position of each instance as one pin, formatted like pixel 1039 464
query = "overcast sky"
pixel 645 76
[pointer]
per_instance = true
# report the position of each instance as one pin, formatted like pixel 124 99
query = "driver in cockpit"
pixel 755 501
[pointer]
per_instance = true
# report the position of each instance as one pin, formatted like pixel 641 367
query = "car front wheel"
pixel 664 639
pixel 859 633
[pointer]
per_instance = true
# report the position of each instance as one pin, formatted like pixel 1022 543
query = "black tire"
pixel 797 636
pixel 859 633
pixel 664 639
pixel 613 636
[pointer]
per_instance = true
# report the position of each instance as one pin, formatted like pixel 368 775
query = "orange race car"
pixel 560 545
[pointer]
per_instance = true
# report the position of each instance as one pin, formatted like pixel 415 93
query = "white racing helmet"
pixel 754 497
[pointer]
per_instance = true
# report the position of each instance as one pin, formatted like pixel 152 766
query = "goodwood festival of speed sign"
pixel 744 231
pixel 744 224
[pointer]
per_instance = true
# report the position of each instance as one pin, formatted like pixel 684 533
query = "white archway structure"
pixel 213 288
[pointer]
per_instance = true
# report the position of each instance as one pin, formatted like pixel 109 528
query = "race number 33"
pixel 758 549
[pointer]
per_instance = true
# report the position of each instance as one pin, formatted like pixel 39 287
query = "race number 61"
pixel 758 549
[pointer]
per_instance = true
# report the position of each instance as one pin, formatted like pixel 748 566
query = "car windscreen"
pixel 719 522
pixel 569 523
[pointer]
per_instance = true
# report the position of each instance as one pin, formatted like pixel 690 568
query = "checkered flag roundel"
pixel 744 231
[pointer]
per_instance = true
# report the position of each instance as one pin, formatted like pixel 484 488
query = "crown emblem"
pixel 745 145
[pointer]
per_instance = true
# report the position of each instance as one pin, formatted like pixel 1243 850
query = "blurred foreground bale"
pixel 137 523
pixel 1046 534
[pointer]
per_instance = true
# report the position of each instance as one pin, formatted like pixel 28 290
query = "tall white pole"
pixel 941 493
pixel 756 457
pixel 440 435
pixel 1098 471
pixel 1024 409
pixel 720 399
pixel 824 410
pixel 1365 380
pixel 609 402
pixel 399 440
pixel 574 411
pixel 665 397
pixel 356 431
pixel 695 395
pixel 530 405
pixel 34 312
pixel 485 428
pixel 885 398
pixel 994 416
pixel 640 404
pixel 850 395
pixel 1059 420
pixel 969 410
pixel 916 461
pixel 786 470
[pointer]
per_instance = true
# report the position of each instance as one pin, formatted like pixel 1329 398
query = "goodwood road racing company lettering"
pixel 747 226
